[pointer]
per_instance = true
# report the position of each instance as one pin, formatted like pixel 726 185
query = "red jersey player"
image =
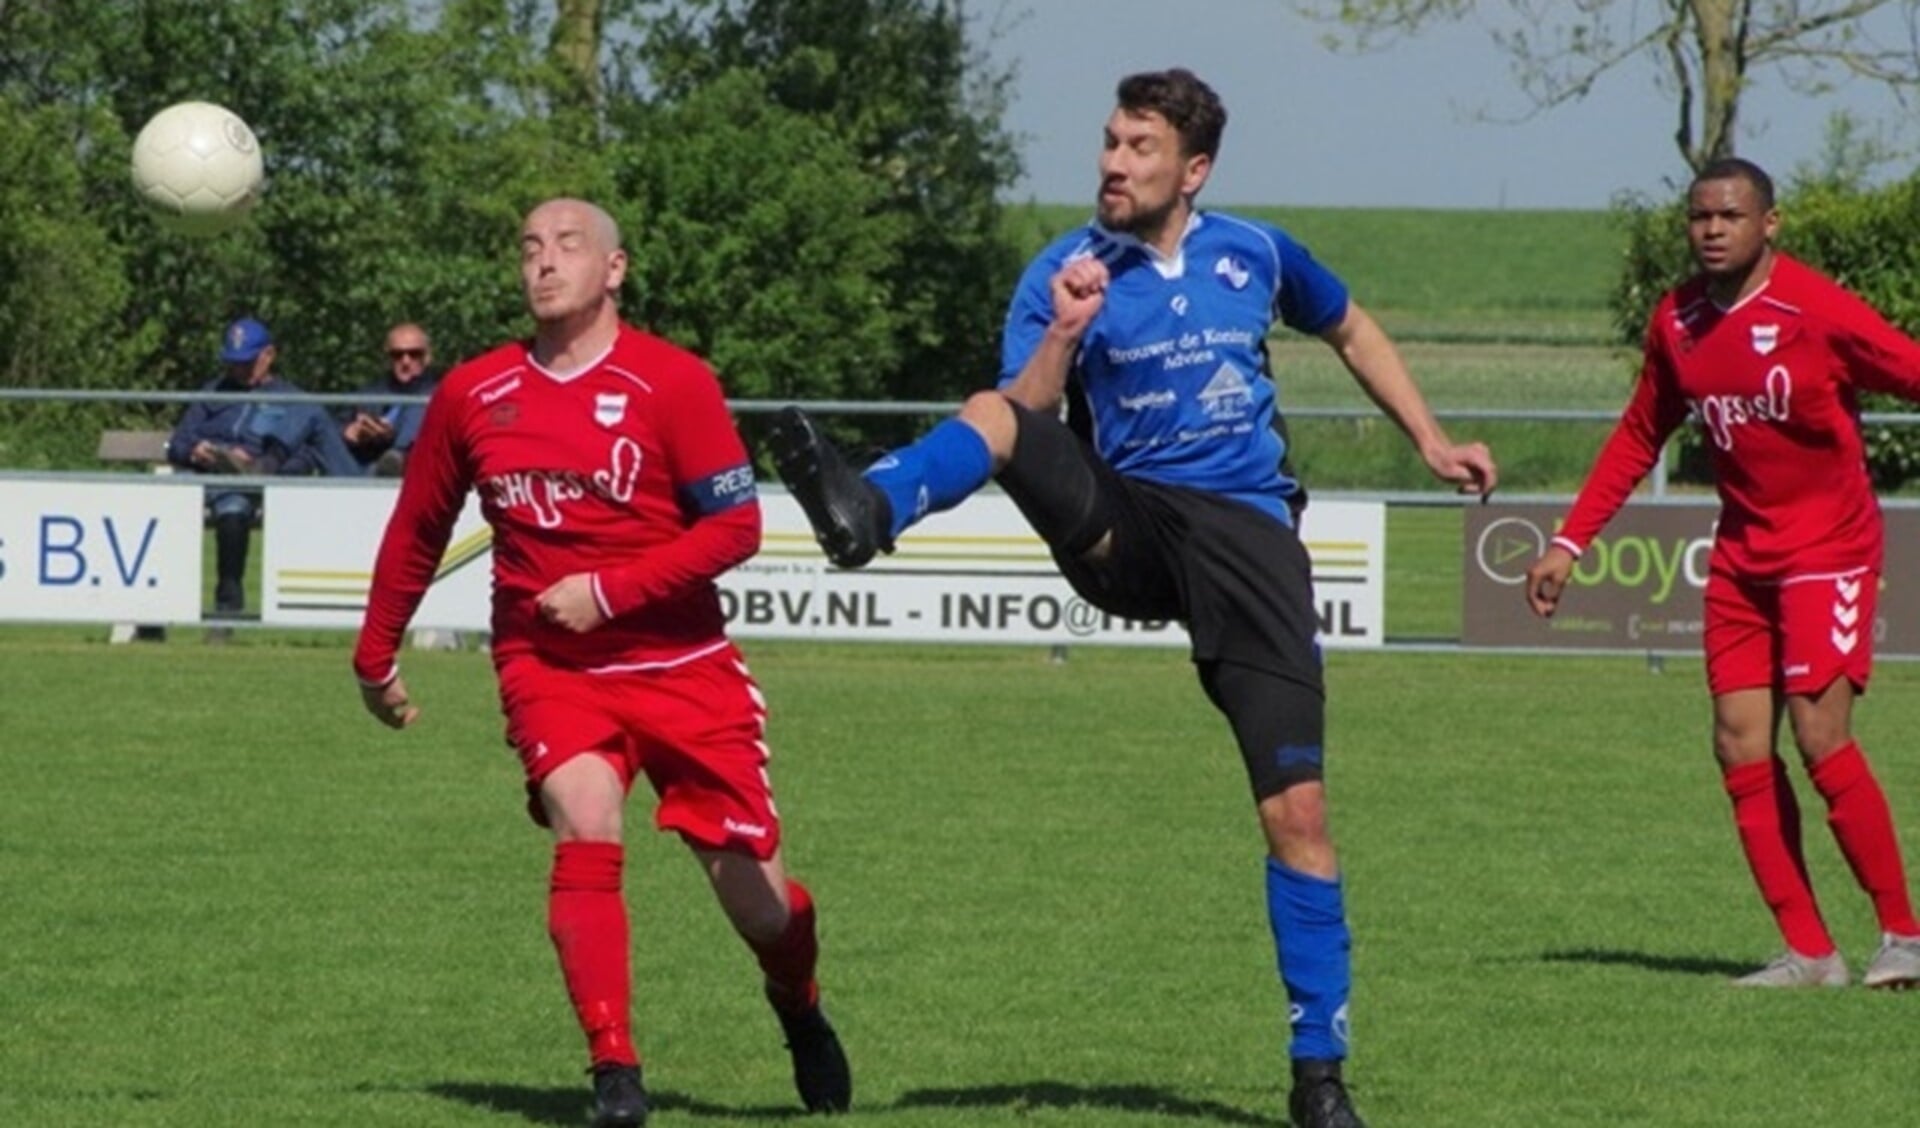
pixel 1769 356
pixel 617 489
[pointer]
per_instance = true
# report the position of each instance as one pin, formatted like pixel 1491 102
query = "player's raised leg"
pixel 855 515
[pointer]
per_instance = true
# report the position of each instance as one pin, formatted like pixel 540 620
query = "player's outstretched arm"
pixel 1376 365
pixel 1547 579
pixel 389 703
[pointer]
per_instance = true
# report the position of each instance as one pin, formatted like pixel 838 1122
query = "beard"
pixel 1132 219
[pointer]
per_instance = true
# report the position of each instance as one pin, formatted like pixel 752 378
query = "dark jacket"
pixel 284 438
pixel 404 418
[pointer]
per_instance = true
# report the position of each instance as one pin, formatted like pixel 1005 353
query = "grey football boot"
pixel 1791 969
pixel 1896 966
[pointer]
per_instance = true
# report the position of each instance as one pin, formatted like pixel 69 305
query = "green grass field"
pixel 233 899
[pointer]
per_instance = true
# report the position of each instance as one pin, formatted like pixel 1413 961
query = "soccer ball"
pixel 198 168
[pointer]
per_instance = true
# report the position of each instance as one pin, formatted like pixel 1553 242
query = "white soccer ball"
pixel 198 168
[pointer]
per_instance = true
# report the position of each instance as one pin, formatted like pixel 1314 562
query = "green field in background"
pixel 1471 275
pixel 233 899
pixel 1493 310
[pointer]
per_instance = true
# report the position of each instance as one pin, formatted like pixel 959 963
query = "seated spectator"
pixel 252 439
pixel 379 431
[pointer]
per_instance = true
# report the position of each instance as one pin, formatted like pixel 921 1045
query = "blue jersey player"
pixel 1165 493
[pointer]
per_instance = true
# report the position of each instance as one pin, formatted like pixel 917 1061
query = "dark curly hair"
pixel 1188 104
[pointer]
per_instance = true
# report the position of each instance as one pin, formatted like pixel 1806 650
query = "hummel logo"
pixel 1844 615
pixel 1849 589
pixel 1844 642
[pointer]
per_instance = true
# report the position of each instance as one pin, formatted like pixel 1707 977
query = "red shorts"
pixel 696 730
pixel 1798 635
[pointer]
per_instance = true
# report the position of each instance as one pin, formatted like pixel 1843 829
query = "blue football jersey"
pixel 1172 381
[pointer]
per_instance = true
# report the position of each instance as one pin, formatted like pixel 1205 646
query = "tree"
pixel 750 242
pixel 921 115
pixel 1705 52
pixel 808 191
pixel 576 47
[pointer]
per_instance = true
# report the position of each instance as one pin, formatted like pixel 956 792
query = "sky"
pixel 1396 128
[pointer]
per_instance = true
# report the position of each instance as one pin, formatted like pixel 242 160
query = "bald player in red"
pixel 618 490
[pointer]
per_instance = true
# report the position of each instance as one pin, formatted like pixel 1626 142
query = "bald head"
pixel 580 215
pixel 408 352
pixel 571 263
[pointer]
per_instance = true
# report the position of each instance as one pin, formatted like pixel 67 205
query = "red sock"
pixel 587 919
pixel 789 961
pixel 1768 819
pixel 1857 812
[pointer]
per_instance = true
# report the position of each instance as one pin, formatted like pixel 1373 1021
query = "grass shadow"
pixel 1649 961
pixel 571 1106
pixel 534 1104
pixel 1061 1095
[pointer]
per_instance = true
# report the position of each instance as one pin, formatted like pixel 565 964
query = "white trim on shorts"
pixel 1817 577
pixel 663 664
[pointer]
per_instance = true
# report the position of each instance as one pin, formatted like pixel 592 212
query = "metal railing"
pixel 1658 478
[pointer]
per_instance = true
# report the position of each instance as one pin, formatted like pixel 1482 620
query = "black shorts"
pixel 1240 580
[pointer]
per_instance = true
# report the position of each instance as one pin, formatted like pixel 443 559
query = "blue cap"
pixel 244 340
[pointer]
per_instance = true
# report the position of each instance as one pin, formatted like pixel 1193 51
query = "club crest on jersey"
pixel 1233 272
pixel 609 408
pixel 1765 337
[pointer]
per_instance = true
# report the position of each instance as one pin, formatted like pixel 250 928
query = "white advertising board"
pixel 98 552
pixel 317 564
pixel 973 574
pixel 978 573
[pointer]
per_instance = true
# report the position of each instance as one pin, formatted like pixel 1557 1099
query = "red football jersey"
pixel 629 469
pixel 1773 384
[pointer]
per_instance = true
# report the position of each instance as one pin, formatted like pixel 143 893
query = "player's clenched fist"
pixel 572 604
pixel 1079 290
pixel 1547 578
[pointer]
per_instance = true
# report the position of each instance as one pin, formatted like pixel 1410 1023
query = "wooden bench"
pixel 146 447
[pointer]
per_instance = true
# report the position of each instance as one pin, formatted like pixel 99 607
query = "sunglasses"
pixel 406 354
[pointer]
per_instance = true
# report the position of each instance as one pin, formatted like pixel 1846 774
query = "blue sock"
pixel 1311 940
pixel 938 472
